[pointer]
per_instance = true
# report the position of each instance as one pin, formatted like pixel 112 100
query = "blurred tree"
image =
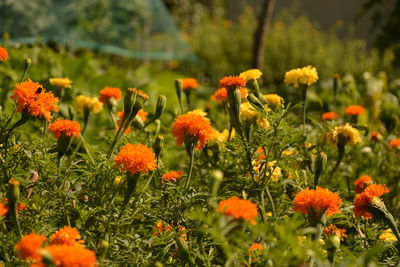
pixel 388 23
pixel 190 12
pixel 263 24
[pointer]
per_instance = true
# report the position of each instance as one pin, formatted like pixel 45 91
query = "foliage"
pixel 81 188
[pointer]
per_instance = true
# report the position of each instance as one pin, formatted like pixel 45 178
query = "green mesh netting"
pixel 140 29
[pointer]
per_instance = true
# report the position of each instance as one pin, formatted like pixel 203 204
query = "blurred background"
pixel 148 43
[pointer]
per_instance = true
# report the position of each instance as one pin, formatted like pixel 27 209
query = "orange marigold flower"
pixel 222 94
pixel 161 227
pixel 354 110
pixel 33 98
pixel 361 183
pixel 232 81
pixel 172 176
pixel 65 128
pixel 328 116
pixel 194 125
pixel 3 54
pixel 120 118
pixel 4 202
pixel 362 202
pixel 238 209
pixel 109 92
pixel 395 143
pixel 333 230
pixel 189 83
pixel 375 136
pixel 3 210
pixel 67 236
pixel 136 158
pixel 65 256
pixel 142 115
pixel 28 246
pixel 318 200
pixel 256 247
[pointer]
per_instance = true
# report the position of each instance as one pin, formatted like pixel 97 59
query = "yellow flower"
pixel 91 103
pixel 351 134
pixel 288 153
pixel 388 236
pixel 248 113
pixel 198 111
pixel 274 100
pixel 61 82
pixel 252 74
pixel 274 171
pixel 306 75
pixel 262 122
pixel 118 180
pixel 222 137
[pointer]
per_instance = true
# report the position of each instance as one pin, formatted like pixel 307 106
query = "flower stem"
pixel 304 111
pixel 191 163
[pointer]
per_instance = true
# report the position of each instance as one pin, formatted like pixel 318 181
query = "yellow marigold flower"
pixel 252 74
pixel 61 82
pixel 118 180
pixel 306 75
pixel 198 111
pixel 274 100
pixel 387 236
pixel 262 122
pixel 247 113
pixel 91 103
pixel 222 137
pixel 67 236
pixel 352 135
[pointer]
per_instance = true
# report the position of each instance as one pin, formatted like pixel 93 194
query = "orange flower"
pixel 142 115
pixel 375 136
pixel 189 83
pixel 161 227
pixel 333 230
pixel 395 143
pixel 232 81
pixel 256 247
pixel 65 256
pixel 109 92
pixel 33 98
pixel 4 203
pixel 3 210
pixel 362 202
pixel 65 128
pixel 318 201
pixel 67 236
pixel 3 54
pixel 194 125
pixel 361 183
pixel 354 110
pixel 136 158
pixel 28 246
pixel 328 116
pixel 221 94
pixel 238 209
pixel 120 118
pixel 172 176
